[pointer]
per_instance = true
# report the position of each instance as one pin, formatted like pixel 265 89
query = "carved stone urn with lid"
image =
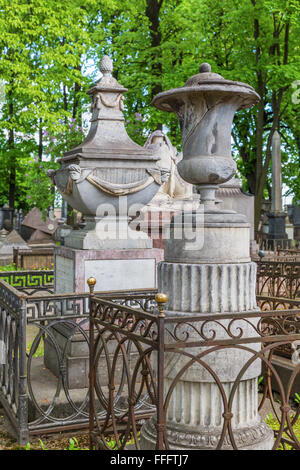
pixel 108 173
pixel 205 107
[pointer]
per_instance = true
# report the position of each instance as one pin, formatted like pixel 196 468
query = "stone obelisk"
pixel 277 233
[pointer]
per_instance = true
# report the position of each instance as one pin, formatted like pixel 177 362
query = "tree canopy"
pixel 155 45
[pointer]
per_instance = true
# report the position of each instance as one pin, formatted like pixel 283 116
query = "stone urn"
pixel 205 107
pixel 107 174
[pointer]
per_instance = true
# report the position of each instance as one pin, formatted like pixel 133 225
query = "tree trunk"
pixel 152 12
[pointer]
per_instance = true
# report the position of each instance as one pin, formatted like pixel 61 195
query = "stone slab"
pixel 113 269
pixel 122 274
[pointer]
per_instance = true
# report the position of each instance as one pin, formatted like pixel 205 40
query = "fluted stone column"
pixel 205 282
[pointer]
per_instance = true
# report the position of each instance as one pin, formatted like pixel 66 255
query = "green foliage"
pixel 73 445
pixel 46 50
pixel 275 425
pixel 38 350
pixel 9 267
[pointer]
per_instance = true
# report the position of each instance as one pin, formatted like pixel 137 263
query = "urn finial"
pixel 205 107
pixel 106 65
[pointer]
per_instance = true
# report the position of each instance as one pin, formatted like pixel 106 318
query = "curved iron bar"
pixel 114 414
pixel 259 355
pixel 133 396
pixel 175 381
pixel 281 324
pixel 256 355
pixel 61 382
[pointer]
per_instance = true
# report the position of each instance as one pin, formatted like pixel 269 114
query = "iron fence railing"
pixel 278 279
pixel 143 391
pixel 129 343
pixel 278 288
pixel 36 401
pixel 30 282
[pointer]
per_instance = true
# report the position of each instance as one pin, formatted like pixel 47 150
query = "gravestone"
pixel 12 240
pixel 174 195
pixel 34 221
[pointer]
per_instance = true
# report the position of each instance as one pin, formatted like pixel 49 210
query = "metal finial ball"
pixel 91 281
pixel 205 68
pixel 161 298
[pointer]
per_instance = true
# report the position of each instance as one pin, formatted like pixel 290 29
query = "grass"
pixel 39 351
pixel 13 267
pixel 273 423
pixel 9 267
pixel 73 444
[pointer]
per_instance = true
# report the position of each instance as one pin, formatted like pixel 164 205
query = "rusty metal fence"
pixel 35 388
pixel 141 391
pixel 129 342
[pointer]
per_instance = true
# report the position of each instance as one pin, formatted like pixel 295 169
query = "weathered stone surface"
pixel 276 216
pixel 12 240
pixel 205 108
pixel 34 220
pixel 233 198
pixel 106 167
pixel 131 269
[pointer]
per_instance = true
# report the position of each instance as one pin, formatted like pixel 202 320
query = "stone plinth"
pixel 114 270
pixel 277 234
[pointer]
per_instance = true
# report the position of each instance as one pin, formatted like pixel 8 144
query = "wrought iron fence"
pixel 127 360
pixel 13 390
pixel 278 279
pixel 143 389
pixel 38 332
pixel 29 282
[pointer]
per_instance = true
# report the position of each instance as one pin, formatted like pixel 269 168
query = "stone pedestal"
pixel 216 276
pixel 157 216
pixel 207 269
pixel 114 270
pixel 277 235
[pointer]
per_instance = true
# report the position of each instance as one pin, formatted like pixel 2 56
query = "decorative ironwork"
pixel 128 344
pixel 278 288
pixel 279 279
pixel 30 410
pixel 193 339
pixel 29 281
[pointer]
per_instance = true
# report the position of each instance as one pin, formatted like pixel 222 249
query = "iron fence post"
pixel 161 299
pixel 91 283
pixel 23 431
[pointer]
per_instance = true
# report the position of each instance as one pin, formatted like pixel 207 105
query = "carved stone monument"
pixel 108 178
pixel 211 274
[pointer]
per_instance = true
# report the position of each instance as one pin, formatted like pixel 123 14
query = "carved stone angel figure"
pixel 174 187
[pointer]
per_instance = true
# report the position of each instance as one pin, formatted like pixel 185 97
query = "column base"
pixel 258 437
